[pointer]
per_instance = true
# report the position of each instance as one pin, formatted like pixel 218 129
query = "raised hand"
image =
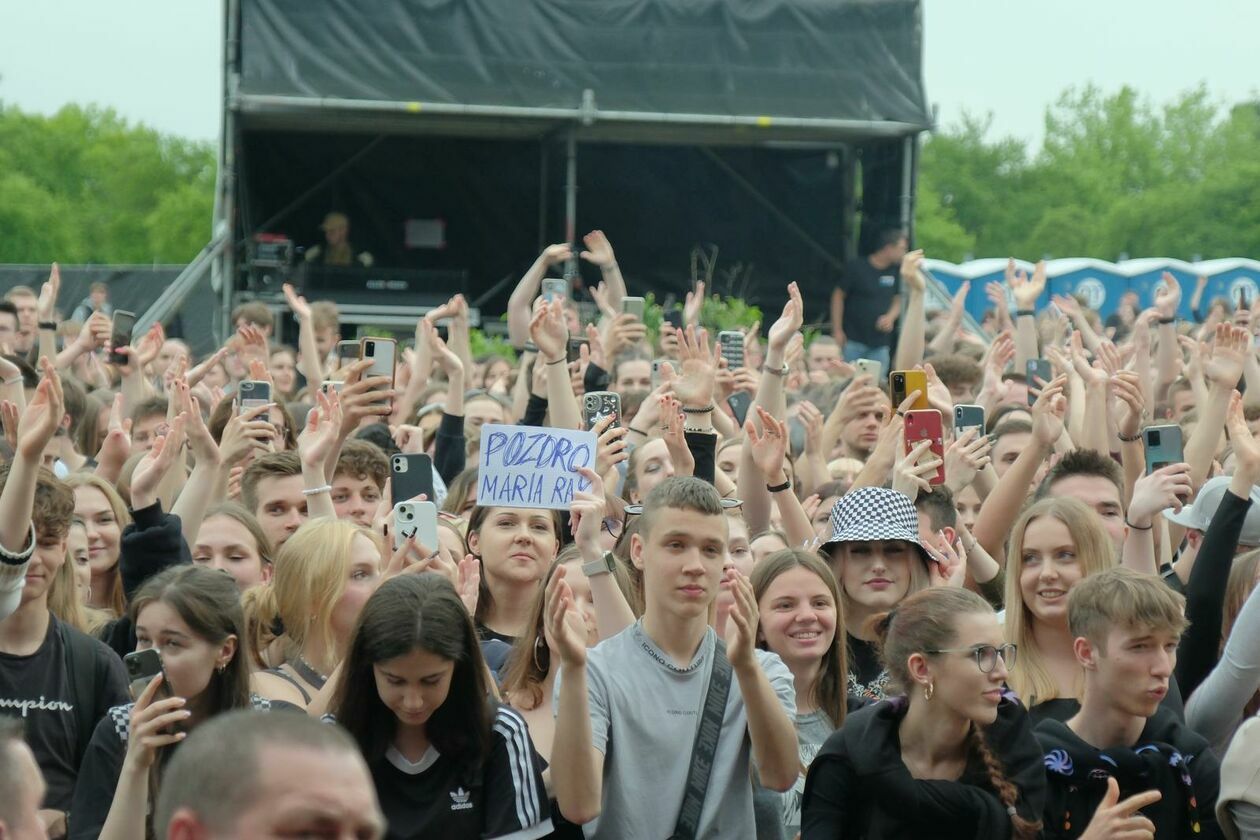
pixel 43 414
pixel 156 463
pixel 586 514
pixel 672 425
pixel 811 418
pixel 301 309
pixel 912 471
pixel 602 296
pixel 558 253
pixel 1127 388
pixel 610 444
pixel 965 456
pixel 469 583
pixel 564 622
pixel 47 305
pixel 769 448
pixel 694 386
pixel 741 624
pixel 1246 447
pixel 549 332
pixel 911 277
pixel 1027 290
pixel 1048 411
pixel 693 304
pixel 200 441
pixel 251 345
pixel 322 425
pixel 599 250
pixel 1167 487
pixel 361 398
pixel 245 434
pixel 1168 297
pixel 1224 366
pixel 950 566
pixel 150 344
pixel 782 330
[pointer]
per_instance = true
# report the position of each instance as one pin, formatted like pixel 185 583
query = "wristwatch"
pixel 603 566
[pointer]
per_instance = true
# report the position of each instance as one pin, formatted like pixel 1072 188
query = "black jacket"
pixel 1167 756
pixel 859 787
pixel 150 545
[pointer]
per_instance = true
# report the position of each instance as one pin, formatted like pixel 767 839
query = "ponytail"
pixel 1022 829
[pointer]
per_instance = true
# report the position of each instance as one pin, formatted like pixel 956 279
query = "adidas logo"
pixel 459 800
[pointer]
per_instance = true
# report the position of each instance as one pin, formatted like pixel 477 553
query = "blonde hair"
pixel 917 565
pixel 115 597
pixel 310 575
pixel 1121 597
pixel 1030 678
pixel 65 602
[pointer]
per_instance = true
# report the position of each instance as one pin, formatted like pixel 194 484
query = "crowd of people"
pixel 772 617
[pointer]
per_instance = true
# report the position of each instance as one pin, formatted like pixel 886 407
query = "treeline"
pixel 1113 175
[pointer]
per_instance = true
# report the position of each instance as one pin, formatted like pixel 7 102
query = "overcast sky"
pixel 157 61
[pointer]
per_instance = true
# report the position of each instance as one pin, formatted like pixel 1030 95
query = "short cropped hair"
pixel 361 459
pixel 938 507
pixel 1088 462
pixel 1122 597
pixel 271 465
pixel 324 316
pixel 19 291
pixel 954 370
pixel 1010 427
pixel 54 503
pixel 254 313
pixel 215 772
pixel 679 493
pixel 149 407
pixel 889 236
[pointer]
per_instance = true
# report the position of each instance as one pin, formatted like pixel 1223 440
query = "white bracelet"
pixel 315 491
pixel 14 381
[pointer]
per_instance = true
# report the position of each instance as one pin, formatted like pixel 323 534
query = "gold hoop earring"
pixel 539 644
pixel 929 690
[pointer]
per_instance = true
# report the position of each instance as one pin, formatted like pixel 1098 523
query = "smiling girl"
pixel 446 759
pixel 104 515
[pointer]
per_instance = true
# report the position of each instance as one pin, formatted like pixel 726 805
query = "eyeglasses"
pixel 613 526
pixel 986 656
pixel 727 504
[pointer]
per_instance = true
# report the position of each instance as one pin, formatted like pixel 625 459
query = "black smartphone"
pixel 120 334
pixel 967 417
pixel 674 318
pixel 740 402
pixel 1037 369
pixel 575 348
pixel 410 475
pixel 143 666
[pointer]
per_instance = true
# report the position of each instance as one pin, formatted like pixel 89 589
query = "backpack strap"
pixel 705 746
pixel 82 667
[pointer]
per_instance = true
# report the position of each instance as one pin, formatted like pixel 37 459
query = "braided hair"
pixel 1009 794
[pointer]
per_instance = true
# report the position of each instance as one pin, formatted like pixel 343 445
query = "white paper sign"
pixel 532 466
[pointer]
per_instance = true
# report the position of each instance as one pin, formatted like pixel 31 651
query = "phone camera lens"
pixel 371 345
pixel 1153 437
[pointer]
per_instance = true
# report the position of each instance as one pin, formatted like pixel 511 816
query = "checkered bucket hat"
pixel 875 513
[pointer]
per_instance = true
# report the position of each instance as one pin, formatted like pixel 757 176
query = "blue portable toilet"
pixel 1145 278
pixel 1227 277
pixel 983 272
pixel 1098 283
pixel 949 275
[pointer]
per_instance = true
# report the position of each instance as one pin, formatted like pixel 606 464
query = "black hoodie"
pixel 859 787
pixel 1167 756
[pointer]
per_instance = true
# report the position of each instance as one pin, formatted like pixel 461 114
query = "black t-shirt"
pixel 868 293
pixel 867 678
pixel 436 797
pixel 37 688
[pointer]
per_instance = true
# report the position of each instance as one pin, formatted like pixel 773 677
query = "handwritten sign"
pixel 532 466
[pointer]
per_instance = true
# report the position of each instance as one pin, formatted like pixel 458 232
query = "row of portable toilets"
pixel 1101 284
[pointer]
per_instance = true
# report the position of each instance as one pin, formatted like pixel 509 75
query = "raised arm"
pixel 35 430
pixel 549 332
pixel 768 450
pixel 1166 487
pixel 911 342
pixel 202 486
pixel 310 365
pixel 316 441
pixel 945 339
pixel 1026 290
pixel 521 303
pixel 46 312
pixel 612 611
pixel 1168 354
pixel 1222 370
pixel 599 252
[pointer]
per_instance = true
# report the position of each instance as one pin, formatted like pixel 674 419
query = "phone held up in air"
pixel 740 402
pixel 554 289
pixel 347 352
pixel 633 306
pixel 969 417
pixel 251 394
pixel 1163 446
pixel 926 425
pixel 1037 369
pixel 731 343
pixel 597 404
pixel 143 666
pixel 872 368
pixel 381 352
pixel 416 519
pixel 120 331
pixel 409 476
pixel 903 383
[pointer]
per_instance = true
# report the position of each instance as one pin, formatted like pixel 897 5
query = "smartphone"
pixel 331 385
pixel 1034 370
pixel 120 334
pixel 575 348
pixel 410 475
pixel 674 318
pixel 921 424
pixel 969 417
pixel 143 666
pixel 732 344
pixel 901 383
pixel 656 372
pixel 381 352
pixel 347 352
pixel 251 394
pixel 872 368
pixel 633 306
pixel 740 402
pixel 555 289
pixel 598 404
pixel 1163 446
pixel 418 519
